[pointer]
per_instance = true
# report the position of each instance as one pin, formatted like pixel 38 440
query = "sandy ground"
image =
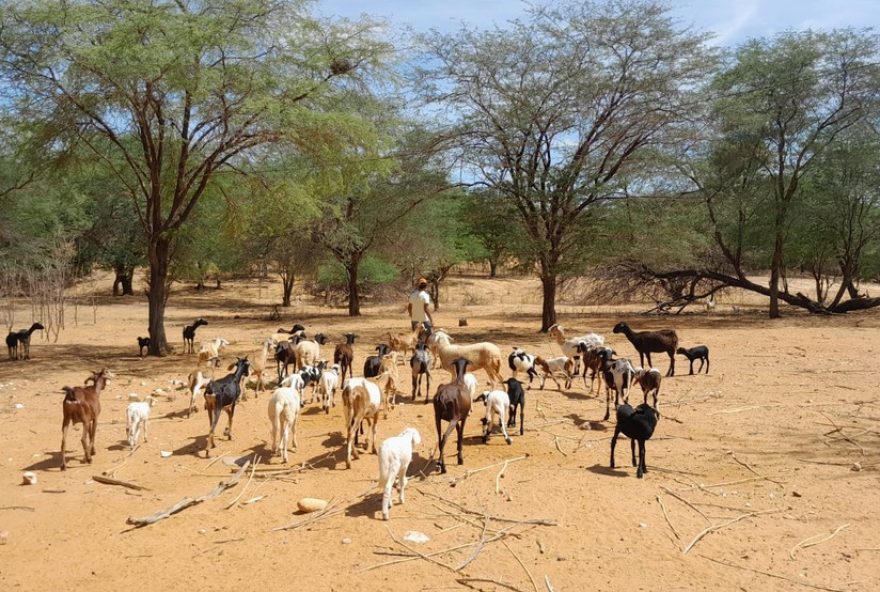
pixel 782 434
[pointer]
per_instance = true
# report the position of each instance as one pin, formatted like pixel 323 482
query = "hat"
pixel 422 282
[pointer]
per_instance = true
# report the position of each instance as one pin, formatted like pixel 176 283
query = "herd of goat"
pixel 365 399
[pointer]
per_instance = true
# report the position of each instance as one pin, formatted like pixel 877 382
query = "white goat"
pixel 497 405
pixel 327 385
pixel 395 455
pixel 209 352
pixel 196 382
pixel 470 381
pixel 362 401
pixel 283 412
pixel 136 418
pixel 569 346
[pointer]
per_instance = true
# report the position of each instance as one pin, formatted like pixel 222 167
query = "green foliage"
pixel 372 271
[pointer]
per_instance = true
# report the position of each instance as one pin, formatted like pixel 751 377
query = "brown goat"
pixel 648 342
pixel 82 404
pixel 404 342
pixel 344 356
pixel 452 403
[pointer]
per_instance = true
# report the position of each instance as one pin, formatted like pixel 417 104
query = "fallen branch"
pixel 26 508
pixel 480 544
pixel 715 527
pixel 535 521
pixel 772 575
pixel 188 502
pixel 547 582
pixel 749 467
pixel 687 503
pixel 809 542
pixel 251 478
pixel 839 430
pixel 109 481
pixel 556 441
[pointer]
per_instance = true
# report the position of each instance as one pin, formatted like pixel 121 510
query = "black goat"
pixel 517 400
pixel 297 329
pixel 143 342
pixel 420 363
pixel 223 394
pixel 700 352
pixel 373 364
pixel 452 403
pixel 638 425
pixel 285 355
pixel 189 335
pixel 19 342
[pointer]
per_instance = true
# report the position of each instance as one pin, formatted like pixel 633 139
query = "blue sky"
pixel 731 21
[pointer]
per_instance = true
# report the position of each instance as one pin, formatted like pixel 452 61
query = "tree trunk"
pixel 127 282
pixel 548 311
pixel 159 254
pixel 354 299
pixel 435 294
pixel 775 274
pixel 287 289
pixel 493 268
pixel 117 281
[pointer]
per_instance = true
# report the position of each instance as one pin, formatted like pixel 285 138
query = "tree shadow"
pixel 576 396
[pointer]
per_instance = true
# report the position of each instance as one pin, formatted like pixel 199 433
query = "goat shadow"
pixel 596 426
pixel 54 462
pixel 608 471
pixel 370 505
pixel 196 447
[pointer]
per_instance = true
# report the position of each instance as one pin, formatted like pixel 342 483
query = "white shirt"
pixel 418 299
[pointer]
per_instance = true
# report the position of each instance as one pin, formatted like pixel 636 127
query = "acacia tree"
pixel 552 111
pixel 177 90
pixel 796 94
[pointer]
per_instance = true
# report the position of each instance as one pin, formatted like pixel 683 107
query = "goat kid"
pixel 395 454
pixel 497 405
pixel 82 404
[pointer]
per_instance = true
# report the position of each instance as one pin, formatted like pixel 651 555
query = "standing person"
pixel 419 301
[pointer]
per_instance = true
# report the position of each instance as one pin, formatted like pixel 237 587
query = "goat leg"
pixel 459 428
pixel 614 444
pixel 632 445
pixel 643 468
pixel 64 428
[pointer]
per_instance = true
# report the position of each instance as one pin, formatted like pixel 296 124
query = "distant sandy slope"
pixel 769 408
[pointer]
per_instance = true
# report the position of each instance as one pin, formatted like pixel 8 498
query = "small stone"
pixel 414 536
pixel 642 525
pixel 857 466
pixel 28 478
pixel 143 383
pixel 311 504
pixel 203 531
pixel 134 397
pixel 4 537
pixel 561 558
pixel 796 494
pixel 19 406
pixel 165 453
pixel 346 541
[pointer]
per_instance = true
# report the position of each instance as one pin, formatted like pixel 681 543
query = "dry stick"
pixel 26 508
pixel 331 509
pixel 109 481
pixel 686 502
pixel 547 582
pixel 188 501
pixel 808 542
pixel 523 565
pixel 207 466
pixel 427 462
pixel 480 544
pixel 749 467
pixel 499 535
pixel 419 553
pixel 535 521
pixel 556 441
pixel 715 527
pixel 668 521
pixel 251 478
pixel 772 575
pixel 723 483
pixel 844 436
pixel 466 582
pixel 474 471
pixel 498 479
pixel 110 472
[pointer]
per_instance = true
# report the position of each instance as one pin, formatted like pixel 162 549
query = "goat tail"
pixel 69 394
